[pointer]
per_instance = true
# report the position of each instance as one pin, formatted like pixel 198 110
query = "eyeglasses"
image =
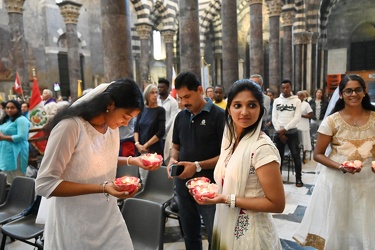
pixel 349 92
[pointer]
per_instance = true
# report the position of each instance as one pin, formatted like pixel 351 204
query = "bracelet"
pixel 136 143
pixel 342 169
pixel 227 200
pixel 127 160
pixel 103 188
pixel 232 201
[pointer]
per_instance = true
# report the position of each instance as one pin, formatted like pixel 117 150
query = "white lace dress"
pixel 341 211
pixel 77 152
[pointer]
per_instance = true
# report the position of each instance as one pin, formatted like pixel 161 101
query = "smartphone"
pixel 176 169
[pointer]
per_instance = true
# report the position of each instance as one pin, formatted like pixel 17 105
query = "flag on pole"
pixel 17 85
pixel 79 88
pixel 38 118
pixel 173 90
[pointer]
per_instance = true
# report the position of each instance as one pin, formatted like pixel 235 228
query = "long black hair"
pixel 6 117
pixel 124 93
pixel 366 102
pixel 237 87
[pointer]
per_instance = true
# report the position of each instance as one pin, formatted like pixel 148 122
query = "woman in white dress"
pixel 248 176
pixel 341 211
pixel 79 164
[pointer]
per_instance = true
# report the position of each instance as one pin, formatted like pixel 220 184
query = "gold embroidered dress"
pixel 341 211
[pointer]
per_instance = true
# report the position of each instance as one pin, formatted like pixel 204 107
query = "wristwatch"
pixel 198 167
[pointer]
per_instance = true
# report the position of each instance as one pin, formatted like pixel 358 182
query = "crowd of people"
pixel 236 138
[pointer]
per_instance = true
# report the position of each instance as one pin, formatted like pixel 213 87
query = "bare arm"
pixel 319 153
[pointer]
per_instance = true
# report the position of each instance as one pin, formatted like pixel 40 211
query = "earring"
pixel 340 97
pixel 107 111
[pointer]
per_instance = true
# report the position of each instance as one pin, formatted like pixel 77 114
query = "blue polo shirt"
pixel 199 136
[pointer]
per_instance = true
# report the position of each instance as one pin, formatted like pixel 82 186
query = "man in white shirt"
pixel 170 105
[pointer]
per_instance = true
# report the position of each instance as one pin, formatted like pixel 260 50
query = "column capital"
pixel 70 11
pixel 274 7
pixel 14 6
pixel 168 35
pixel 302 38
pixel 314 37
pixel 251 2
pixel 143 30
pixel 288 16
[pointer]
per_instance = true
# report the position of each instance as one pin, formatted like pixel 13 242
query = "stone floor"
pixel 296 201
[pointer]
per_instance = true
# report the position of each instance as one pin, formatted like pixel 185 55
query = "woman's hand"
pixel 220 198
pixel 111 189
pixel 138 162
pixel 141 148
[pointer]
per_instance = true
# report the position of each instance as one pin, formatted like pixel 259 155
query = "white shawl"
pixel 236 173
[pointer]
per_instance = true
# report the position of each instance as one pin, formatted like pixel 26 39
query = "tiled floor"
pixel 297 199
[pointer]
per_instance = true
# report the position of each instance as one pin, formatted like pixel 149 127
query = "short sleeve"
pixel 265 153
pixel 325 128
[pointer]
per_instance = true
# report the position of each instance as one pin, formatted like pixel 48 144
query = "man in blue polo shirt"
pixel 197 134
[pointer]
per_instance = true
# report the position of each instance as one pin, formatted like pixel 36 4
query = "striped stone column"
pixel 168 40
pixel 70 12
pixel 287 15
pixel 144 31
pixel 256 36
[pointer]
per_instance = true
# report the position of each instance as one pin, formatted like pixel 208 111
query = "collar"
pixel 206 107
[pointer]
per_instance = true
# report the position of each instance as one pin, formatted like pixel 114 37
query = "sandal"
pixel 299 183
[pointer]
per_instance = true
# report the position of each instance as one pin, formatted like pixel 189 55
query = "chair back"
pixel 158 187
pixel 3 187
pixel 21 195
pixel 127 170
pixel 145 221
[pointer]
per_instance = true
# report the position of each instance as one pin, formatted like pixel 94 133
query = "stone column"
pixel 287 15
pixel 168 40
pixel 15 13
pixel 314 64
pixel 230 42
pixel 256 36
pixel 299 41
pixel 116 34
pixel 70 12
pixel 189 37
pixel 274 11
pixel 144 31
pixel 218 69
pixel 308 62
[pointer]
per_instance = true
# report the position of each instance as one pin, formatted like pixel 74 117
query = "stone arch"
pixel 325 10
pixel 207 18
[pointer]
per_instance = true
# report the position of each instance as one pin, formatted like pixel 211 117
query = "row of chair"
pixel 19 211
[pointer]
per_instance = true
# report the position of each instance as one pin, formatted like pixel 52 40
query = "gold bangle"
pixel 103 187
pixel 127 160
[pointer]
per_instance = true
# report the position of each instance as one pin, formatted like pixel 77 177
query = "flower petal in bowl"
pixel 126 183
pixel 197 181
pixel 151 159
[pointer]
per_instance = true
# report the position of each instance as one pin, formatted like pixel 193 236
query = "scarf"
pixel 236 173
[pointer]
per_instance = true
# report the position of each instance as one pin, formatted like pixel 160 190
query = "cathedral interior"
pixel 311 42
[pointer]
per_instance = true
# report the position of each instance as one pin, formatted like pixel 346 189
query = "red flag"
pixel 173 91
pixel 38 118
pixel 17 85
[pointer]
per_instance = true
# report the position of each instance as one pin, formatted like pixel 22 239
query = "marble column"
pixel 190 57
pixel 229 43
pixel 308 63
pixel 15 14
pixel 256 36
pixel 287 15
pixel 144 31
pixel 314 62
pixel 168 40
pixel 116 33
pixel 300 40
pixel 218 69
pixel 274 12
pixel 70 12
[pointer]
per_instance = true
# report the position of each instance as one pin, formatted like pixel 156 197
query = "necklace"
pixel 354 121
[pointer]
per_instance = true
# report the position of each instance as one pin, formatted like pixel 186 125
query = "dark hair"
pixel 366 102
pixel 188 80
pixel 237 87
pixel 6 117
pixel 125 93
pixel 323 94
pixel 286 81
pixel 27 104
pixel 165 81
pixel 3 104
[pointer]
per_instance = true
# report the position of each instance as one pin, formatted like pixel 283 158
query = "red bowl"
pixel 151 159
pixel 126 183
pixel 197 181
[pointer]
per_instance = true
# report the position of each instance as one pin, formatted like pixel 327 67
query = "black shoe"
pixel 299 183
